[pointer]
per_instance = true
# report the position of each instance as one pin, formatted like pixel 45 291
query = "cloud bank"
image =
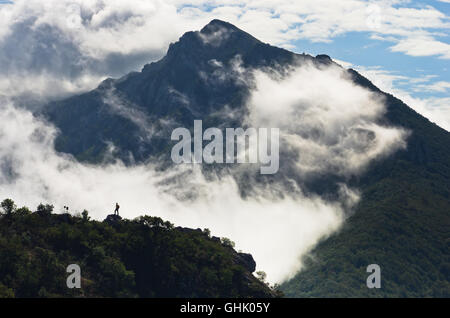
pixel 328 126
pixel 276 232
pixel 327 122
pixel 68 46
pixel 49 49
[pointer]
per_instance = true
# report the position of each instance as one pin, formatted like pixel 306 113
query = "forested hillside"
pixel 144 257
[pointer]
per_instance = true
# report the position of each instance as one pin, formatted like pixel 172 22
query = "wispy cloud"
pixel 441 86
pixel 436 109
pixel 422 46
pixel 281 22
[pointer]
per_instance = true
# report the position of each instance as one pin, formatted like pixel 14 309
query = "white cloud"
pixel 283 21
pixel 276 232
pixel 327 121
pixel 436 109
pixel 441 87
pixel 130 111
pixel 422 46
pixel 344 64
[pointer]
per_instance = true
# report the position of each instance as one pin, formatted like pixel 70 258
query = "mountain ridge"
pixel 156 92
pixel 144 257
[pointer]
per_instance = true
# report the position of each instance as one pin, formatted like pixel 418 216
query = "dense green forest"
pixel 144 257
pixel 401 225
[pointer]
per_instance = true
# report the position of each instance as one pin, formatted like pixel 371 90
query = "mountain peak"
pixel 218 39
pixel 216 25
pixel 218 33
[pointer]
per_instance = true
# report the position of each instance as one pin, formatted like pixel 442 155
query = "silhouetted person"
pixel 117 209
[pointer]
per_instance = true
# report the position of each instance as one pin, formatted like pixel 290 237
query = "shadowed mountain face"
pixel 197 79
pixel 402 219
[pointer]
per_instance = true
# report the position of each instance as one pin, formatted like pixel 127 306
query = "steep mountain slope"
pixel 402 221
pixel 145 257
